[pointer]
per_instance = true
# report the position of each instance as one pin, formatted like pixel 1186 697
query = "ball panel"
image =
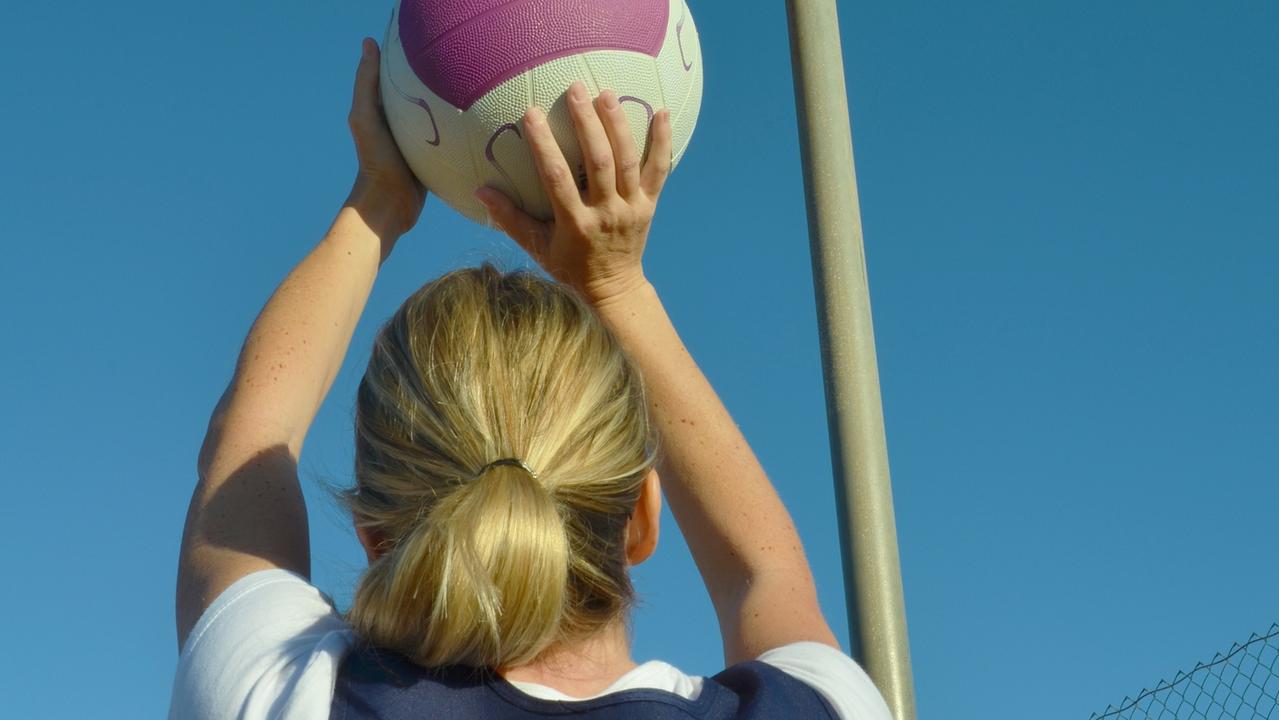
pixel 434 137
pixel 504 159
pixel 507 164
pixel 420 119
pixel 462 61
pixel 434 18
pixel 679 67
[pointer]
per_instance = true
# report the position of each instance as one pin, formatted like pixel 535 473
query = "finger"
pixel 365 107
pixel 597 153
pixel 556 177
pixel 625 154
pixel 527 231
pixel 658 166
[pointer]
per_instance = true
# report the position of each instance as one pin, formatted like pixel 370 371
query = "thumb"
pixel 528 232
pixel 365 112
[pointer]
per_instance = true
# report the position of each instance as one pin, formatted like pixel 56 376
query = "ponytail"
pixel 492 567
pixel 479 581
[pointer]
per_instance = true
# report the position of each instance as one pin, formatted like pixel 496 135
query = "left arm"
pixel 247 512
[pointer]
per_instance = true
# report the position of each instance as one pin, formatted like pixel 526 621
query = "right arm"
pixel 740 534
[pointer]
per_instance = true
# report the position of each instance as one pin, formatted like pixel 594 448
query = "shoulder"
pixel 834 675
pixel 269 646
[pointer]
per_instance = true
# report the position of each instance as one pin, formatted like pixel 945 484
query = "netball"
pixel 457 76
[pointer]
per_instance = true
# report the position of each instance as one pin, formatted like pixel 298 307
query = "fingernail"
pixel 577 91
pixel 610 99
pixel 483 198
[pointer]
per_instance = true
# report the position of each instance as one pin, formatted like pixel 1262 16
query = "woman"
pixel 506 478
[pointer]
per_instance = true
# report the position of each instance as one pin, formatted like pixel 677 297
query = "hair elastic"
pixel 515 462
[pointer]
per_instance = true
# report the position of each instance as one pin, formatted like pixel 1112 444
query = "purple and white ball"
pixel 457 76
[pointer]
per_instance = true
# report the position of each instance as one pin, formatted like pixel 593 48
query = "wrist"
pixel 385 214
pixel 352 230
pixel 605 285
pixel 621 300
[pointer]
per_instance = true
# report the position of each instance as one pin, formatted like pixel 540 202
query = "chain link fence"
pixel 1239 684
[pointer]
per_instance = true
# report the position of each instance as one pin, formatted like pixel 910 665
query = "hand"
pixel 595 241
pixel 386 192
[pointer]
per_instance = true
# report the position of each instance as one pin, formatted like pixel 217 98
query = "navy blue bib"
pixel 379 685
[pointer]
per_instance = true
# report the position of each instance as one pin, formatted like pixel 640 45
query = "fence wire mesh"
pixel 1240 684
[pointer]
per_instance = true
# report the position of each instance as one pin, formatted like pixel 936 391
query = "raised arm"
pixel 740 533
pixel 247 513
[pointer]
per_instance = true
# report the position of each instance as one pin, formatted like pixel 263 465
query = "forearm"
pixel 247 512
pixel 737 528
pixel 297 344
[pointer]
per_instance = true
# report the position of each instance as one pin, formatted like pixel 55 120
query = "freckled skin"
pixel 250 465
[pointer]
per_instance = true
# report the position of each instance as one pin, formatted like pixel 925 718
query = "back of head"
pixel 488 563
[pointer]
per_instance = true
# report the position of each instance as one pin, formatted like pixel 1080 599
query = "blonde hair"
pixel 485 564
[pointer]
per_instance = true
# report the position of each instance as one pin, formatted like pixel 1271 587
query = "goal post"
pixel 859 451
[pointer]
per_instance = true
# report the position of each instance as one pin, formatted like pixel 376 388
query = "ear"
pixel 371 541
pixel 642 530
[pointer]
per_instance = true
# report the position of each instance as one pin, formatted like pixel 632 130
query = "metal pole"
pixel 868 532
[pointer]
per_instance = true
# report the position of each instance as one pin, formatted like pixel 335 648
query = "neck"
pixel 582 668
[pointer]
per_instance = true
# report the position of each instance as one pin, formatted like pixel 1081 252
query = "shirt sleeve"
pixel 834 675
pixel 268 647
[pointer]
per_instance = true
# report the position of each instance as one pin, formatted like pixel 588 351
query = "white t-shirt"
pixel 270 646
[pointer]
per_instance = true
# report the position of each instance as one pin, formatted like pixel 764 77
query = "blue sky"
pixel 1070 221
